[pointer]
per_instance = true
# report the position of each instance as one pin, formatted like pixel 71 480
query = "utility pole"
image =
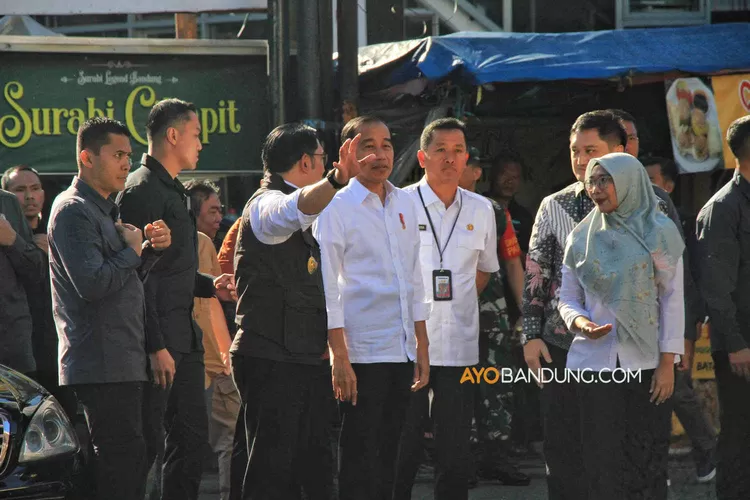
pixel 325 17
pixel 278 17
pixel 186 25
pixel 308 60
pixel 348 43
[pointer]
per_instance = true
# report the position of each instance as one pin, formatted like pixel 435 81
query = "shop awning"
pixel 478 58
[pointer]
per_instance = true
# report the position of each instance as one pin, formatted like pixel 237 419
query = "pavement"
pixel 681 473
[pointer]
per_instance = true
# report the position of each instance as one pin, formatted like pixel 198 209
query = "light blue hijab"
pixel 621 257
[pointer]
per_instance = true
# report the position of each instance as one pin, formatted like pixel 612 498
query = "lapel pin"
pixel 312 265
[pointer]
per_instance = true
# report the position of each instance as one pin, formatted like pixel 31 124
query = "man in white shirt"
pixel 369 244
pixel 458 252
pixel 278 354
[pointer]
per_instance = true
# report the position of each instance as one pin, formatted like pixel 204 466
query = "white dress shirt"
pixel 453 325
pixel 370 262
pixel 604 352
pixel 274 216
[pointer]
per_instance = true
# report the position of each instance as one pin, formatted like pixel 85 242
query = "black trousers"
pixel 176 423
pixel 452 410
pixel 733 468
pixel 114 413
pixel 625 440
pixel 689 410
pixel 238 466
pixel 562 433
pixel 288 410
pixel 371 431
pixel 527 413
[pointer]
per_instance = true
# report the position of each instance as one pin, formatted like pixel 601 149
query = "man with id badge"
pixel 458 252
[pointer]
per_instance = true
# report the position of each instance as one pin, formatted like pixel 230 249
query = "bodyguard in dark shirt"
pixel 723 231
pixel 21 264
pixel 98 304
pixel 173 340
pixel 663 173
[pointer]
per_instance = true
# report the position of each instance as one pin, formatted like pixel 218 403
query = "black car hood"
pixel 17 391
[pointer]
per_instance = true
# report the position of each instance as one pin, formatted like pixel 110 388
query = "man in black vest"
pixel 279 352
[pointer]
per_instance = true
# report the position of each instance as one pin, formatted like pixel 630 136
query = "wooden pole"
pixel 186 25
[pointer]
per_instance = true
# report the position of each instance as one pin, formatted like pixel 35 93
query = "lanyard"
pixel 432 226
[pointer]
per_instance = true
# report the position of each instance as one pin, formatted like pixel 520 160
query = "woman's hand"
pixel 591 329
pixel 662 384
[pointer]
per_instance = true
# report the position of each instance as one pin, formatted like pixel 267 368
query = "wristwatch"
pixel 332 179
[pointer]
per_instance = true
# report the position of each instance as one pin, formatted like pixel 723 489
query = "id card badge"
pixel 442 286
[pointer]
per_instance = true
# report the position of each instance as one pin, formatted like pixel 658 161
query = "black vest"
pixel 280 287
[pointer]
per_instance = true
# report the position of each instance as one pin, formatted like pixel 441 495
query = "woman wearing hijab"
pixel 622 295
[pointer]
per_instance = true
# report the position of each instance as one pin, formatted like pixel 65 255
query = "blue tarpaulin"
pixel 478 58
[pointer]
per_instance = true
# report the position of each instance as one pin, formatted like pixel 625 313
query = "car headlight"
pixel 49 434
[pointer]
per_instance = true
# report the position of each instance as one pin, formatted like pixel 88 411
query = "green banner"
pixel 45 98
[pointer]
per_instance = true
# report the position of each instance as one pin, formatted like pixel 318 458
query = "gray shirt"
pixel 97 294
pixel 21 264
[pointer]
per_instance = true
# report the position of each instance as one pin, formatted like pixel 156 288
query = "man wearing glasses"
pixel 278 355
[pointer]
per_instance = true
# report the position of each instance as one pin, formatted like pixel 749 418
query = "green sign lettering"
pixel 46 97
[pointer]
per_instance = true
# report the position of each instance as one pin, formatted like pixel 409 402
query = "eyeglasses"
pixel 323 155
pixel 600 182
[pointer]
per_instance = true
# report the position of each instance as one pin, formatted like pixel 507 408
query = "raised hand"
pixel 348 165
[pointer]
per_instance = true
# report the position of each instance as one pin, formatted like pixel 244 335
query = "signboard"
pixel 703 369
pixel 69 7
pixel 45 97
pixel 733 100
pixel 703 363
pixel 694 125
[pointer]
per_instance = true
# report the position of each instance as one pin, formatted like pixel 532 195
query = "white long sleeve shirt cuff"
pixel 421 311
pixel 672 314
pixel 571 299
pixel 335 317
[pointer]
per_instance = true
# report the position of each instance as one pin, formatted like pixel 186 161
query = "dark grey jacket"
pixel 97 294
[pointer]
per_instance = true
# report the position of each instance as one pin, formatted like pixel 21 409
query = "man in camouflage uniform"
pixel 494 402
